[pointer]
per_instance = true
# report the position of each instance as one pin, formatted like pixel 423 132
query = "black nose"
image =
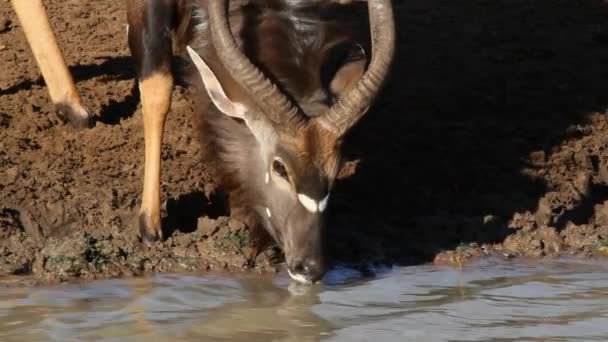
pixel 309 269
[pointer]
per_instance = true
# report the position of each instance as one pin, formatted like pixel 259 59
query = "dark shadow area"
pixel 115 111
pixel 476 87
pixel 184 211
pixel 585 209
pixel 23 85
pixel 117 68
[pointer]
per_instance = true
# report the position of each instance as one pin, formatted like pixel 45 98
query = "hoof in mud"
pixel 149 231
pixel 149 239
pixel 79 118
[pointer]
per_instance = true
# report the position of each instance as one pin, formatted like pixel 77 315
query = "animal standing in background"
pixel 286 79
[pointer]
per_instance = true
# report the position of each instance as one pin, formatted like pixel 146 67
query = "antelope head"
pixel 293 156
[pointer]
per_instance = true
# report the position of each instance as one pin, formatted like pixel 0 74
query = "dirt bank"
pixel 490 137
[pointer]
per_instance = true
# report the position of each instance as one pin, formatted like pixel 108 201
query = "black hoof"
pixel 150 233
pixel 80 122
pixel 78 118
pixel 148 239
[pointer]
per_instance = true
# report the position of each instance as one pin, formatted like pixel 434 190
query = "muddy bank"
pixel 490 138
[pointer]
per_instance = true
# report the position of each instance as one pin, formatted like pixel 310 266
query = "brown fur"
pixel 311 50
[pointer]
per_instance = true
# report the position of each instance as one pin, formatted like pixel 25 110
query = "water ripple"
pixel 559 300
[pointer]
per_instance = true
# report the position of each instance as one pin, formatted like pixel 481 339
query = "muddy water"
pixel 494 299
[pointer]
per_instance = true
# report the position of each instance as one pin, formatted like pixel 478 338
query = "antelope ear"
pixel 348 169
pixel 215 89
pixel 261 129
pixel 347 76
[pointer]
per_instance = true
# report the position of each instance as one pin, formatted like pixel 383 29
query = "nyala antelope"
pixel 285 80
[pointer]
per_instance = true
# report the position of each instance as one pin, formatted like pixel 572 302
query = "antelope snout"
pixel 306 270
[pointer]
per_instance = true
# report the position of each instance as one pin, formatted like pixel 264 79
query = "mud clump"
pixel 490 137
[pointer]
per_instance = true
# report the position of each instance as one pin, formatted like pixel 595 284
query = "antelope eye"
pixel 279 169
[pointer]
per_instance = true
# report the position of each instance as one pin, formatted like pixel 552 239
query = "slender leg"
pixel 151 46
pixel 35 23
pixel 156 99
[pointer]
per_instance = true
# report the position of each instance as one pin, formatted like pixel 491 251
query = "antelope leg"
pixel 150 43
pixel 33 18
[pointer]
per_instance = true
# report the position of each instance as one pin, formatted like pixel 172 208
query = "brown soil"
pixel 490 137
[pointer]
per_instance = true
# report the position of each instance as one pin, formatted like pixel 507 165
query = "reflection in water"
pixel 513 301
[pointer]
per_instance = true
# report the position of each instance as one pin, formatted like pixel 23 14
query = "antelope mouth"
pixel 302 279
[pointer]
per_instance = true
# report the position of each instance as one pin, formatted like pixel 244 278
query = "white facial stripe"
pixel 298 277
pixel 308 203
pixel 268 212
pixel 267 178
pixel 323 203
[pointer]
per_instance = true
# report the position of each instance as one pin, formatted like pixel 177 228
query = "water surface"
pixel 559 300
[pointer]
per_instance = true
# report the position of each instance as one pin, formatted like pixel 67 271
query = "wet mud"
pixel 490 137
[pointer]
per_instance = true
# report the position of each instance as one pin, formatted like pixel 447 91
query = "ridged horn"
pixel 277 107
pixel 352 106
